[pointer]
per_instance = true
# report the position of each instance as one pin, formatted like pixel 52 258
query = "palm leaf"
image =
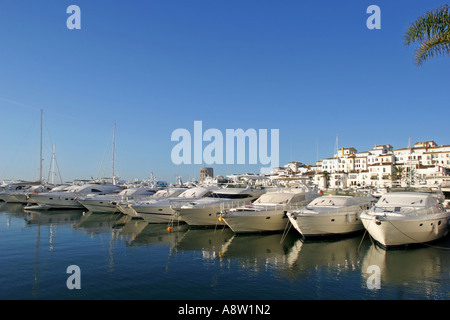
pixel 432 30
pixel 437 45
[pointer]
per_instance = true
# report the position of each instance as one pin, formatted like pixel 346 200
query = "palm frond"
pixel 432 30
pixel 431 23
pixel 437 45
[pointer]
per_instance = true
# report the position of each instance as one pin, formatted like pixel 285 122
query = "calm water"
pixel 120 258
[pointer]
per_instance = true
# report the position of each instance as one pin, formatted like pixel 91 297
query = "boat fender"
pixel 435 229
pixel 349 218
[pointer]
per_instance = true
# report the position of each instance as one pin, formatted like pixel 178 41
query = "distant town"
pixel 425 163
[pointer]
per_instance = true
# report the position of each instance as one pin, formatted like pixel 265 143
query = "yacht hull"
pixel 399 231
pixel 99 206
pixel 256 222
pixel 54 201
pixel 201 217
pixel 312 225
pixel 8 198
pixel 156 214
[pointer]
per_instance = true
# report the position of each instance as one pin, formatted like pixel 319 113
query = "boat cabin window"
pixel 95 190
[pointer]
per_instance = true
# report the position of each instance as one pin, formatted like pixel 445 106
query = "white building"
pixel 424 163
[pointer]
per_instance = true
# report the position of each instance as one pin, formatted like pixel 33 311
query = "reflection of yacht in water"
pixel 212 243
pixel 335 255
pixel 261 249
pixel 132 227
pixel 157 235
pixel 69 217
pixel 424 268
pixel 95 223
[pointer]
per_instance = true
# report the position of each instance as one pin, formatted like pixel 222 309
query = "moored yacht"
pixel 19 192
pixel 108 202
pixel 124 206
pixel 160 211
pixel 402 218
pixel 268 212
pixel 205 212
pixel 330 215
pixel 67 198
pixel 23 196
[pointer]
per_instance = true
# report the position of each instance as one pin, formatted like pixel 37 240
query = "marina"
pixel 121 257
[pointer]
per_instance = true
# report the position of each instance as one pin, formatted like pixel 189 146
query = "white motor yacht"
pixel 205 212
pixel 402 218
pixel 66 197
pixel 124 206
pixel 268 212
pixel 19 192
pixel 160 211
pixel 330 215
pixel 23 196
pixel 108 202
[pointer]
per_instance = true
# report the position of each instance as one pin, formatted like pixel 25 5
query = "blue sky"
pixel 311 69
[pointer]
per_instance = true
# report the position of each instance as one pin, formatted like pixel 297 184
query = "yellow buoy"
pixel 169 229
pixel 220 219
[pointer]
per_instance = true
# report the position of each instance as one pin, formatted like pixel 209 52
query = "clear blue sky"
pixel 311 69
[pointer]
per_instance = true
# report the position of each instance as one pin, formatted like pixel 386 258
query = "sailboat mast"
pixel 40 157
pixel 113 154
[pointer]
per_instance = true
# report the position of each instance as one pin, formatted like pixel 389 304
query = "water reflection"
pixel 424 268
pixel 419 272
pixel 210 242
pixel 336 255
pixel 147 234
pixel 42 218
